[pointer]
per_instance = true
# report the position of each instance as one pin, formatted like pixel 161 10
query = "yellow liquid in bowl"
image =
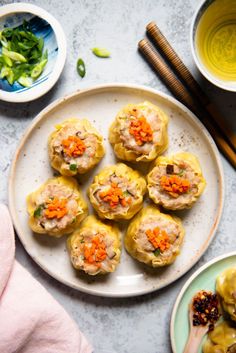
pixel 216 39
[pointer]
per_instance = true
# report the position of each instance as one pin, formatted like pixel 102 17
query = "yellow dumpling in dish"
pixel 222 339
pixel 176 182
pixel 117 192
pixel 139 132
pixel 56 207
pixel 226 288
pixel 154 238
pixel 75 147
pixel 95 247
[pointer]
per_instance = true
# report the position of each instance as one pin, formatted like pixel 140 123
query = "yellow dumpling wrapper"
pixel 143 153
pixel 84 235
pixel 37 204
pixel 226 288
pixel 191 171
pixel 130 179
pixel 136 240
pixel 221 340
pixel 91 138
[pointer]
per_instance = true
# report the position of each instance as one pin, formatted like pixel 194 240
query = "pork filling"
pixel 158 236
pixel 140 130
pixel 56 207
pixel 174 182
pixel 94 252
pixel 76 146
pixel 116 194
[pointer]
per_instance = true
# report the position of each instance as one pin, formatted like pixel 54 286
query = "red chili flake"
pixel 205 309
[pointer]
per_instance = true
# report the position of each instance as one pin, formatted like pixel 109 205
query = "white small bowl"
pixel 203 6
pixel 48 27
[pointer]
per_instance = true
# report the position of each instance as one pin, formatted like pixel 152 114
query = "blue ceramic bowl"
pixel 43 25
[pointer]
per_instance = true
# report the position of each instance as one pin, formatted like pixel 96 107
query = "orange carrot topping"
pixel 174 185
pixel 141 130
pixel 73 146
pixel 158 238
pixel 56 208
pixel 114 196
pixel 95 252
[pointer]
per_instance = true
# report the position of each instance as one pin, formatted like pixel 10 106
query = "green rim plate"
pixel 204 278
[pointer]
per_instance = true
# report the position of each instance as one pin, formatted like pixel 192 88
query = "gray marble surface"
pixel 141 324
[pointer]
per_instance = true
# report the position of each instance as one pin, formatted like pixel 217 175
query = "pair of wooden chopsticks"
pixel 181 83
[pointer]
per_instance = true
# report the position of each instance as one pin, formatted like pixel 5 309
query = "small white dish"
pixel 100 104
pixel 46 26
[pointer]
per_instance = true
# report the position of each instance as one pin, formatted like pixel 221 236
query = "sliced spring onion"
pixel 73 167
pixel 13 55
pixel 22 57
pixel 74 220
pixel 38 211
pixel 157 252
pixel 10 77
pixel 7 32
pixel 7 61
pixel 181 173
pixel 25 81
pixel 7 73
pixel 4 42
pixel 4 72
pixel 101 52
pixel 81 67
pixel 126 193
pixel 37 70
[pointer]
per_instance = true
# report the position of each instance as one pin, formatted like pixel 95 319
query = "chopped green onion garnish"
pixel 4 72
pixel 73 167
pixel 101 52
pixel 37 70
pixel 38 211
pixel 7 61
pixel 81 67
pixel 126 193
pixel 25 81
pixel 157 252
pixel 181 173
pixel 13 55
pixel 22 58
pixel 10 77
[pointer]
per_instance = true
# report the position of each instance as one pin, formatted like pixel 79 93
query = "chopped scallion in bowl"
pixel 23 57
pixel 32 52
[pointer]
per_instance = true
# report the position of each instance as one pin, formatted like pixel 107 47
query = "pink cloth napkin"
pixel 31 321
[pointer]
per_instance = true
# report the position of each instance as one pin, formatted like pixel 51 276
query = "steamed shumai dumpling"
pixel 226 288
pixel 176 182
pixel 222 339
pixel 75 147
pixel 95 247
pixel 139 132
pixel 56 207
pixel 154 237
pixel 117 192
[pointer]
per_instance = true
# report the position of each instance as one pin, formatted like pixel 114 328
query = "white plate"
pixel 30 168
